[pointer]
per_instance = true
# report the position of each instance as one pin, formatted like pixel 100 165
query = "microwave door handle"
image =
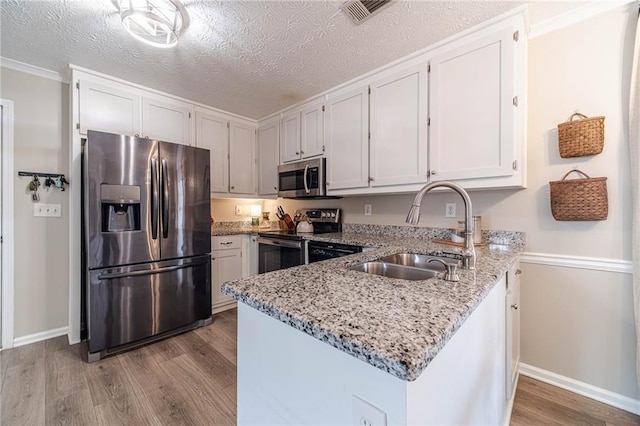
pixel 154 198
pixel 165 199
pixel 306 170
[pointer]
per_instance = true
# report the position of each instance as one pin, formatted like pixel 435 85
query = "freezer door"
pixel 130 304
pixel 184 201
pixel 120 191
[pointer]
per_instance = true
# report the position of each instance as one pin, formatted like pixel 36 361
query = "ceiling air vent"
pixel 361 10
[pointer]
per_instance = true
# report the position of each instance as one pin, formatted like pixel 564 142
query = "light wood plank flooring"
pixel 191 379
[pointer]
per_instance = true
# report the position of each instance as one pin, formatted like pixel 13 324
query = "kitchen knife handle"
pixel 165 199
pixel 154 198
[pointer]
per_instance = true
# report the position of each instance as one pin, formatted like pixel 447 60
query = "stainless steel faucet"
pixel 468 251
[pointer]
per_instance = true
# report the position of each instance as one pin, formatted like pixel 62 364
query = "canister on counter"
pixel 477 229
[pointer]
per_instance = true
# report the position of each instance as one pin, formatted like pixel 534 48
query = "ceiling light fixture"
pixel 154 22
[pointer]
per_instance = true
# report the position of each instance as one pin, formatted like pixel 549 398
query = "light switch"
pixel 47 210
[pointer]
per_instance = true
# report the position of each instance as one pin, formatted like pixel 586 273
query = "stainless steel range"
pixel 284 249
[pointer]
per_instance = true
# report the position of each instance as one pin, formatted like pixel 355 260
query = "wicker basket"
pixel 581 137
pixel 579 199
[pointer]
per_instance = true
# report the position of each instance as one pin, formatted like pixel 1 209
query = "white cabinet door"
pixel 268 156
pixel 512 311
pixel 311 129
pixel 226 265
pixel 242 159
pixel 398 114
pixel 290 137
pixel 166 121
pixel 212 133
pixel 472 111
pixel 107 109
pixel 347 140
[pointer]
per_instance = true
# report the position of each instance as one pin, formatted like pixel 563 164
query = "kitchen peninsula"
pixel 323 344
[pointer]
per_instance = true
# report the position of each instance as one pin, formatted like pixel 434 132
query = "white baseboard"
pixel 225 307
pixel 607 397
pixel 38 337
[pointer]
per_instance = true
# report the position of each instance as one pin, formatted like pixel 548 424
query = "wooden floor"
pixel 191 379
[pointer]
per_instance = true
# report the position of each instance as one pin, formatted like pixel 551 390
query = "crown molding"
pixel 33 70
pixel 575 16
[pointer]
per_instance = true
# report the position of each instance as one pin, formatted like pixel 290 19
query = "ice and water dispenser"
pixel 120 207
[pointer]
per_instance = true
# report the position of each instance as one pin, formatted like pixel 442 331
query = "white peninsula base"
pixel 288 377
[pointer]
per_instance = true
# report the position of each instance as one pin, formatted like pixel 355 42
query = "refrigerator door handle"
pixel 154 198
pixel 148 271
pixel 165 199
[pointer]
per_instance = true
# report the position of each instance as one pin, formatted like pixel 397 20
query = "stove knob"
pixel 323 214
pixel 333 215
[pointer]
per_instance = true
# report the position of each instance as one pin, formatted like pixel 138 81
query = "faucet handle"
pixel 451 273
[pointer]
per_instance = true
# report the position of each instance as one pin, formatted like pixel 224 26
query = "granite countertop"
pixel 396 325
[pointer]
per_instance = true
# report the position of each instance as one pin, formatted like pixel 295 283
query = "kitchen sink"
pixel 392 270
pixel 418 261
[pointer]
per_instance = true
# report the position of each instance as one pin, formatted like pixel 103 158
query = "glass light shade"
pixel 154 22
pixel 256 210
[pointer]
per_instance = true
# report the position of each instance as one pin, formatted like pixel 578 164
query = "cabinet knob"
pixel 233 187
pixel 433 172
pixel 326 183
pixel 275 187
pixel 137 135
pixel 518 271
pixel 371 179
pixel 514 306
pixel 297 153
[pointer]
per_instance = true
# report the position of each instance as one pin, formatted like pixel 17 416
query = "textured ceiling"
pixel 248 57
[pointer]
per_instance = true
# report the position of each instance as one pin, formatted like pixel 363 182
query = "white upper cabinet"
pixel 302 132
pixel 242 159
pixel 108 109
pixel 312 130
pixel 398 123
pixel 212 133
pixel 472 109
pixel 347 140
pixel 166 120
pixel 268 156
pixel 290 142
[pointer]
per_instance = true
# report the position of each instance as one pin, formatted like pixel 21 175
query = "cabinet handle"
pixel 226 243
pixel 514 306
pixel 371 179
pixel 518 271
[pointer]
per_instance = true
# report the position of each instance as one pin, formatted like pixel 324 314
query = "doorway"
pixel 6 224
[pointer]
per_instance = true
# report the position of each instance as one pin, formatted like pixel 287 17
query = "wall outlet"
pixel 365 414
pixel 238 210
pixel 47 210
pixel 450 210
pixel 367 209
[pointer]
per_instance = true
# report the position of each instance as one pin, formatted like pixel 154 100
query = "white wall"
pixel 41 140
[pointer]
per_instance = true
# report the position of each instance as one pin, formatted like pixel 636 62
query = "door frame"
pixel 7 223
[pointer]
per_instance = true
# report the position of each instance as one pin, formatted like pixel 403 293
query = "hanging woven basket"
pixel 579 199
pixel 578 138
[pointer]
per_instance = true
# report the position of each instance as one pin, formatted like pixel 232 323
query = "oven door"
pixel 280 253
pixel 319 251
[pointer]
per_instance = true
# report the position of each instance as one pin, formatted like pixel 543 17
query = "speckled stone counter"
pixel 395 325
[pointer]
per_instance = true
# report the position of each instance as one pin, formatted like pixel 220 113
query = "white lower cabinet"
pixel 226 265
pixel 512 322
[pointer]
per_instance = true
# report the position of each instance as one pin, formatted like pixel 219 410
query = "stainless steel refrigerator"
pixel 146 239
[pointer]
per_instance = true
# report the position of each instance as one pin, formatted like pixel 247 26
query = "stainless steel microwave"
pixel 302 179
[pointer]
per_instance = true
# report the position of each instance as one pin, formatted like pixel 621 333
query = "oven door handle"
pixel 280 243
pixel 306 170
